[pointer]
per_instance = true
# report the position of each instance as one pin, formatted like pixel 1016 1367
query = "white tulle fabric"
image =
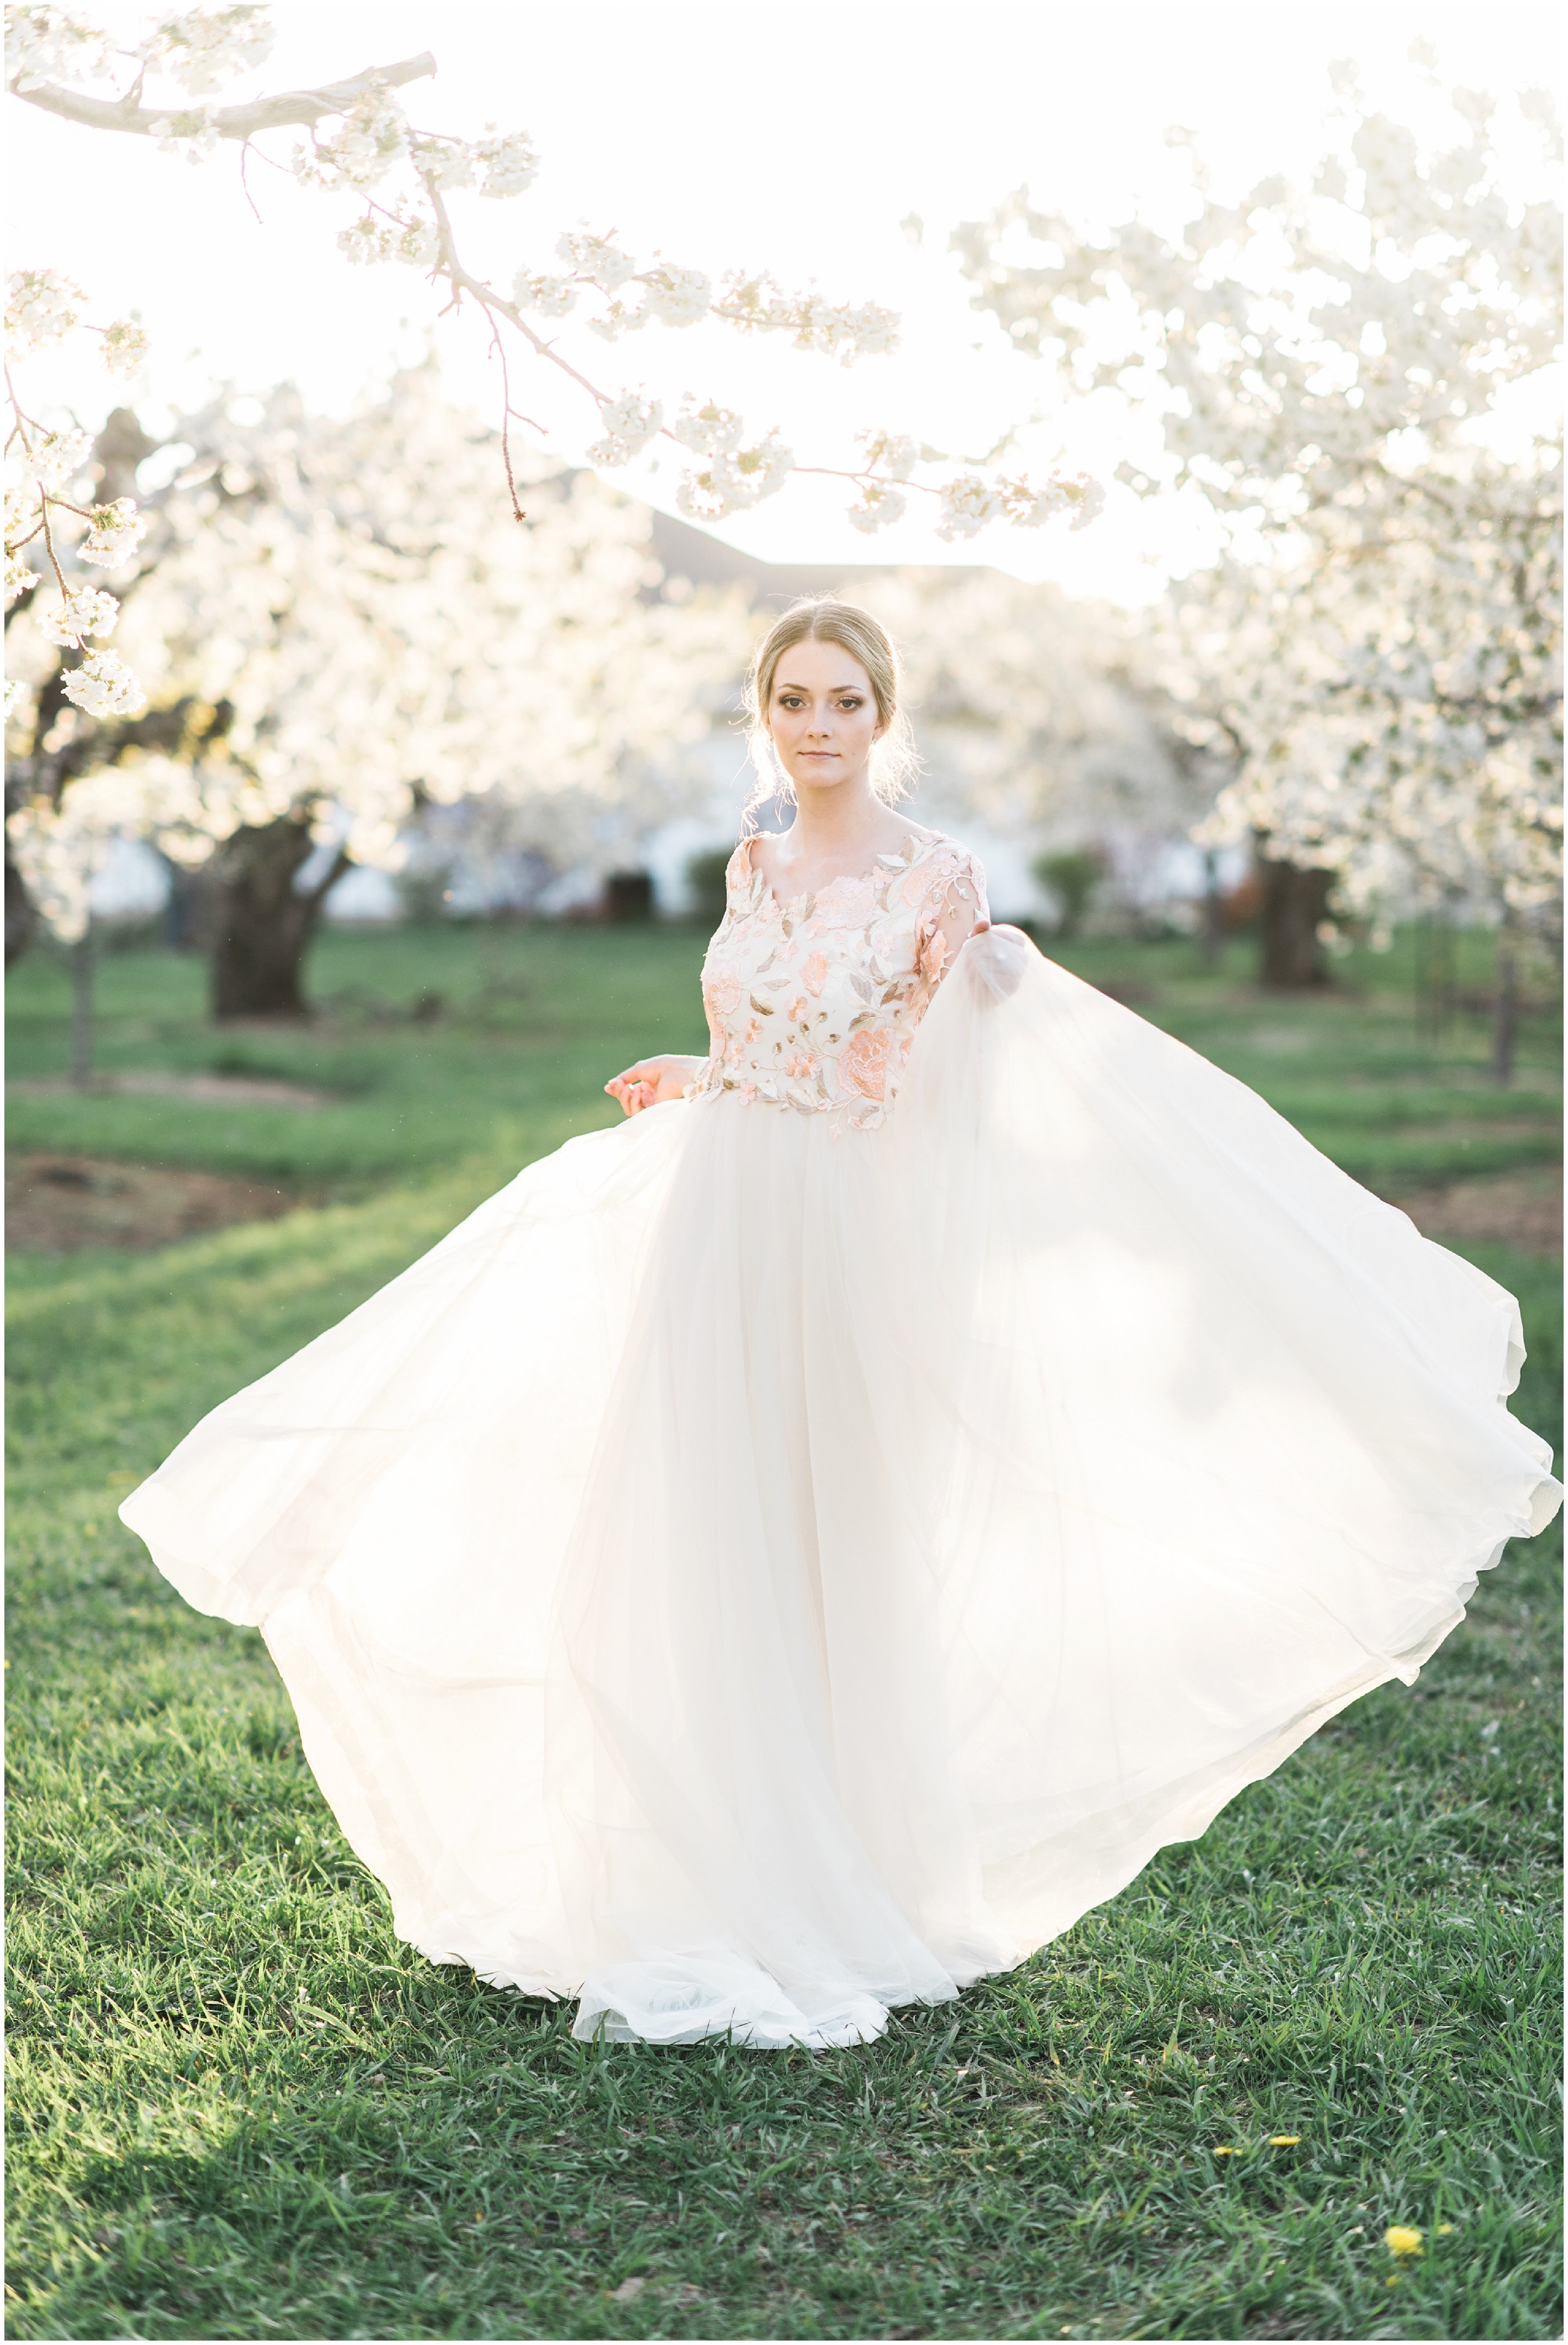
pixel 748 1579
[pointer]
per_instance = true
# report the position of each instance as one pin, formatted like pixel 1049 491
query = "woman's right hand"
pixel 653 1080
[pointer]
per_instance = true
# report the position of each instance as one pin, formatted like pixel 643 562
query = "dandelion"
pixel 1223 2149
pixel 1443 2230
pixel 1283 2140
pixel 1402 2239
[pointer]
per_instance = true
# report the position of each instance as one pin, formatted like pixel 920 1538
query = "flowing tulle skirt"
pixel 747 1578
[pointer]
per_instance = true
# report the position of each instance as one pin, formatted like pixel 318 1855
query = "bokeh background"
pixel 418 836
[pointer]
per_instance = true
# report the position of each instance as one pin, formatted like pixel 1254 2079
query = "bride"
pixel 796 1552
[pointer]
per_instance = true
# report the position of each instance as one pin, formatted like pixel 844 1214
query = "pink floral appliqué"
pixel 863 1062
pixel 813 1004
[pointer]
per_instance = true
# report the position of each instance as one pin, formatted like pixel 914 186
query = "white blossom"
pixel 507 160
pixel 596 257
pixel 711 429
pixel 968 503
pixel 55 460
pixel 370 139
pixel 892 452
pixel 41 308
pixel 735 479
pixel 443 163
pixel 1076 494
pixel 84 611
pixel 104 687
pixel 415 242
pixel 629 423
pixel 552 297
pixel 676 297
pixel 46 43
pixel 879 506
pixel 1377 645
pixel 115 532
pixel 18 578
pixel 757 305
pixel 375 623
pixel 125 347
pixel 206 45
pixel 59 848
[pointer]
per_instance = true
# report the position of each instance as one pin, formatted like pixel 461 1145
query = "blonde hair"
pixel 822 619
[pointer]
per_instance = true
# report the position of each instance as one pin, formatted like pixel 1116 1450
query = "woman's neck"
pixel 830 821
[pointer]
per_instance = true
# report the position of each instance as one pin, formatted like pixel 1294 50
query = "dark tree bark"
pixel 1295 899
pixel 259 923
pixel 21 917
pixel 1211 936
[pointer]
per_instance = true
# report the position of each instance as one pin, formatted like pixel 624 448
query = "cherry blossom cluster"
pixel 360 142
pixel 44 468
pixel 1328 369
pixel 354 594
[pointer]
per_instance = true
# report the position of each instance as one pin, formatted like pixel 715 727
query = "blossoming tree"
pixel 1337 373
pixel 399 181
pixel 1039 715
pixel 336 619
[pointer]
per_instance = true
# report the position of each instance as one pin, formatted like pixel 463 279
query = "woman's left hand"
pixel 651 1080
pixel 1001 961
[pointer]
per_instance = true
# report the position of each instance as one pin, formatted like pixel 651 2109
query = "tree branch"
pixel 304 107
pixel 316 897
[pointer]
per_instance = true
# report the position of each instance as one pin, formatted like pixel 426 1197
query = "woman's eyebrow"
pixel 783 686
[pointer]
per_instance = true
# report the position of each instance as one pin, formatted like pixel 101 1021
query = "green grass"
pixel 240 2109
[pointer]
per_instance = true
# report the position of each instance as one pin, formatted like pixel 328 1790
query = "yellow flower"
pixel 1283 2140
pixel 1401 2239
pixel 1443 2230
pixel 1222 2151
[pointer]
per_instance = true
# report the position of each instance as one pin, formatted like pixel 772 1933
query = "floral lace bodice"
pixel 813 1004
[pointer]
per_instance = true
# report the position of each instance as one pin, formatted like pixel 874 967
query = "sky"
pixel 839 144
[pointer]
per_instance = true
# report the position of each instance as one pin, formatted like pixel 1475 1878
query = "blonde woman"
pixel 795 1552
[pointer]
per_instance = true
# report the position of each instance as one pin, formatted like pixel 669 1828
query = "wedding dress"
pixel 797 1551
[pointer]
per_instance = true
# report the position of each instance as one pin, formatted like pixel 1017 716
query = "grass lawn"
pixel 239 2108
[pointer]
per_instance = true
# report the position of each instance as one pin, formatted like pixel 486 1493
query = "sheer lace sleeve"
pixel 954 900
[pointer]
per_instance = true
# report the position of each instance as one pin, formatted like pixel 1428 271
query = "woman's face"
pixel 822 715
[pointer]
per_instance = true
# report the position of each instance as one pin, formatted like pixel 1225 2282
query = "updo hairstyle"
pixel 822 619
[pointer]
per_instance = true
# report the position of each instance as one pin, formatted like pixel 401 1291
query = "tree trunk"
pixel 21 918
pixel 84 968
pixel 1504 1012
pixel 1211 936
pixel 259 923
pixel 1295 899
